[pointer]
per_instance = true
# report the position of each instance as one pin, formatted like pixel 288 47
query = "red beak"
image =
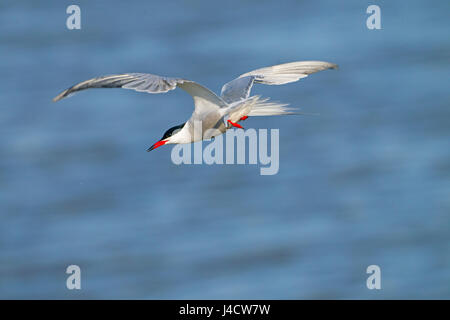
pixel 156 145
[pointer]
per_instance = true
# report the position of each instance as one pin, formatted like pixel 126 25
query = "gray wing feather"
pixel 240 87
pixel 203 98
pixel 237 89
pixel 143 82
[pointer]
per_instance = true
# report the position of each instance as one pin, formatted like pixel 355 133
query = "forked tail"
pixel 264 107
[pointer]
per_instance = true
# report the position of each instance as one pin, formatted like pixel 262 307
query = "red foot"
pixel 235 124
pixel 243 118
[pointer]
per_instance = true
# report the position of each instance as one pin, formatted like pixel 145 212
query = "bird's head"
pixel 173 135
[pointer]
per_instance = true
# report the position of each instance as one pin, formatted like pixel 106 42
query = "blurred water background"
pixel 365 182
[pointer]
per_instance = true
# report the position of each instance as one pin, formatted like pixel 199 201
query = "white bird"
pixel 214 114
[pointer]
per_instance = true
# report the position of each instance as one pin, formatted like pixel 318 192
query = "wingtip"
pixel 59 96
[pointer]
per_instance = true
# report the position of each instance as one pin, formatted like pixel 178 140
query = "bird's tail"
pixel 264 107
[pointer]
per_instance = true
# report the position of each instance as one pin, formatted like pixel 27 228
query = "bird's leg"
pixel 243 118
pixel 235 124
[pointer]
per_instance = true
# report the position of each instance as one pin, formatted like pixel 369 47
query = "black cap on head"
pixel 172 131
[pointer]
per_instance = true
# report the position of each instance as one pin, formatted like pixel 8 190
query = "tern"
pixel 212 114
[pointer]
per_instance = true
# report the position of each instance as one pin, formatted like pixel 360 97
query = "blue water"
pixel 365 182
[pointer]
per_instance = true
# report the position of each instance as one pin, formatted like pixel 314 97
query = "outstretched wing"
pixel 204 99
pixel 240 87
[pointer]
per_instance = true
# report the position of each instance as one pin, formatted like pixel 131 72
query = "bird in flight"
pixel 212 114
